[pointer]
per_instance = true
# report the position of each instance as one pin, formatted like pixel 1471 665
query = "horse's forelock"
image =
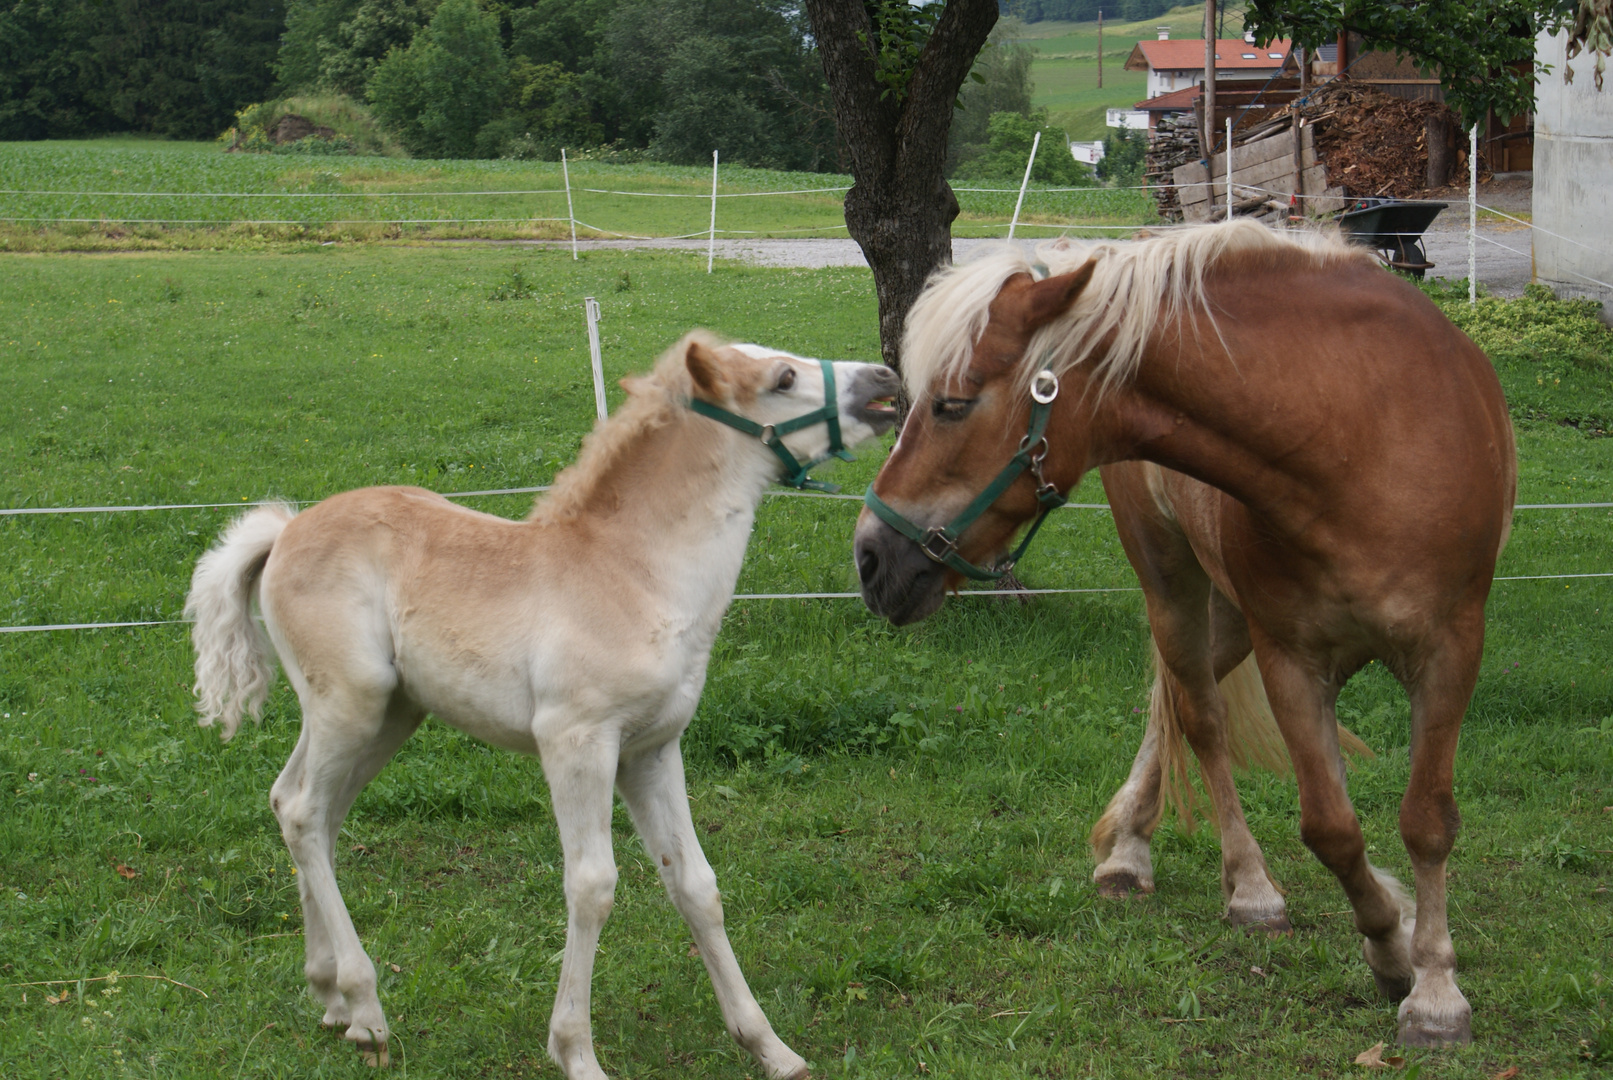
pixel 950 315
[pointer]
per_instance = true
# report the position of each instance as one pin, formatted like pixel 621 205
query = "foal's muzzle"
pixel 899 582
pixel 867 393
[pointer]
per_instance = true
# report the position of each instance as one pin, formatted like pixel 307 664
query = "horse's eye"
pixel 951 408
pixel 785 380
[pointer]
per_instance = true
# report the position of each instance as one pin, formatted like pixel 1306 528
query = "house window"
pixel 1249 56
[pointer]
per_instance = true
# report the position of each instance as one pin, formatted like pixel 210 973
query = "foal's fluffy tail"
pixel 1253 740
pixel 234 667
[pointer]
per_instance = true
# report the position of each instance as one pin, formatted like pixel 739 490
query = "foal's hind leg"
pixel 346 738
pixel 652 785
pixel 1436 1013
pixel 320 967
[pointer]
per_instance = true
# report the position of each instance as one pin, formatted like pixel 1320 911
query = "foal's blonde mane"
pixel 1135 289
pixel 653 400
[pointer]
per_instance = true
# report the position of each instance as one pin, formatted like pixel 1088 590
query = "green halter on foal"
pixel 772 435
pixel 940 542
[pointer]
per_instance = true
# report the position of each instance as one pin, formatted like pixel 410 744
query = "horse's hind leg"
pixel 652 785
pixel 1435 1013
pixel 346 738
pixel 1302 698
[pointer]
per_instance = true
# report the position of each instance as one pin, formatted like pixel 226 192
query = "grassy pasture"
pixel 897 818
pixel 131 193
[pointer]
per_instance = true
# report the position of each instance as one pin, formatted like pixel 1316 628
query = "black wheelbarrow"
pixel 1394 229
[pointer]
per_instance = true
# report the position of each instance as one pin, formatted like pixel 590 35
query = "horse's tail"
pixel 1253 739
pixel 234 668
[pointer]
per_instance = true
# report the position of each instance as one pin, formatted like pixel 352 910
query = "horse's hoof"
pixel 1393 987
pixel 1427 1032
pixel 1275 926
pixel 1123 886
pixel 376 1057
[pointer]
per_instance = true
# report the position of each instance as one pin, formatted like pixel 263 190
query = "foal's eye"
pixel 786 380
pixel 951 408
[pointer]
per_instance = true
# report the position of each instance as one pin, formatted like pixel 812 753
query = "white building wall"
pixel 1573 176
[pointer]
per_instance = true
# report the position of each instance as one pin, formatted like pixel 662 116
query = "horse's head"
pixel 950 497
pixel 803 411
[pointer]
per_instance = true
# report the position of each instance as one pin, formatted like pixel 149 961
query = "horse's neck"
pixel 684 499
pixel 1233 429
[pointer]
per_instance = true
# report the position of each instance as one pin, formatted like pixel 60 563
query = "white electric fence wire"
pixel 1023 184
pixel 39 628
pixel 571 211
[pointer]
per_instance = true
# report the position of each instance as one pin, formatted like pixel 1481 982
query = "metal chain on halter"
pixel 940 543
pixel 795 472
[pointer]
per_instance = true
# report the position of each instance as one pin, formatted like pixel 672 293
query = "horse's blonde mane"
pixel 653 400
pixel 1135 289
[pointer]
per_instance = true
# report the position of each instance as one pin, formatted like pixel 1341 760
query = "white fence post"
pixel 1473 215
pixel 1023 184
pixel 590 308
pixel 1229 168
pixel 565 171
pixel 711 243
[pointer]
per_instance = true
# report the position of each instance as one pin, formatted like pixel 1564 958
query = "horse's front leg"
pixel 580 764
pixel 652 785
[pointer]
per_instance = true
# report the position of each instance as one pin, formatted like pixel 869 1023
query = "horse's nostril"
pixel 867 561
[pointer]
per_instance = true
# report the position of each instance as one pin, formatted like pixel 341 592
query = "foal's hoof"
pixel 1393 987
pixel 1123 886
pixel 1449 1031
pixel 372 1050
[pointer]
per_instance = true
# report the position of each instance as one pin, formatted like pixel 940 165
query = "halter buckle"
pixel 949 545
pixel 1045 387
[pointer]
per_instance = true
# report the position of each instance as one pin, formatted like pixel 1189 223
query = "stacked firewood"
pixel 1378 144
pixel 1174 141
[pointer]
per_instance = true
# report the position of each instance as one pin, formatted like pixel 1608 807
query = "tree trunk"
pixel 900 208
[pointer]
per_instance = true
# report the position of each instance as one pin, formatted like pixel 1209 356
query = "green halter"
pixel 772 435
pixel 940 543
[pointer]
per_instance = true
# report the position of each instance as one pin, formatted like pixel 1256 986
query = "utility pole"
pixel 1100 48
pixel 1209 87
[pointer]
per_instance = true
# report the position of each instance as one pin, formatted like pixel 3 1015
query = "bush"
pixel 443 89
pixel 1011 138
pixel 356 130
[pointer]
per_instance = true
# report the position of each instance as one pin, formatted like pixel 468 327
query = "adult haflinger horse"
pixel 580 634
pixel 1304 458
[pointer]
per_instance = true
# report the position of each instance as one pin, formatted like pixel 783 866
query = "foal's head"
pixel 786 400
pixel 968 420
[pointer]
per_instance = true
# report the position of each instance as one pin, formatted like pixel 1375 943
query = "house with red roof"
pixel 1175 65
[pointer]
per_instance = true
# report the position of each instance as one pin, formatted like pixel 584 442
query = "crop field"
pixel 142 193
pixel 897 818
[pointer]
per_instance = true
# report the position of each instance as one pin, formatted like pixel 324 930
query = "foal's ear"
pixel 1047 300
pixel 710 381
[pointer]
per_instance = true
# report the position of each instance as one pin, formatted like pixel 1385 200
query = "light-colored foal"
pixel 581 634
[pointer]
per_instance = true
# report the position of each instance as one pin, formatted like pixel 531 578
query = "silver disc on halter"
pixel 1045 387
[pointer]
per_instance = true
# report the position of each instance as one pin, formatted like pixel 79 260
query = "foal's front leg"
pixel 580 765
pixel 653 787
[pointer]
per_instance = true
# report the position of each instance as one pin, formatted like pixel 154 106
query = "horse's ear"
pixel 1048 299
pixel 710 381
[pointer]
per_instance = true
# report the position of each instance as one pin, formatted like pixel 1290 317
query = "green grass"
pixel 143 194
pixel 897 817
pixel 1065 71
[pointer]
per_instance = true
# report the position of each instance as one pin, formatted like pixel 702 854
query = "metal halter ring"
pixel 768 435
pixel 1045 387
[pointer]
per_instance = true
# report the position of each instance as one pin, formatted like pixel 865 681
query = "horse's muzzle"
pixel 869 396
pixel 899 582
